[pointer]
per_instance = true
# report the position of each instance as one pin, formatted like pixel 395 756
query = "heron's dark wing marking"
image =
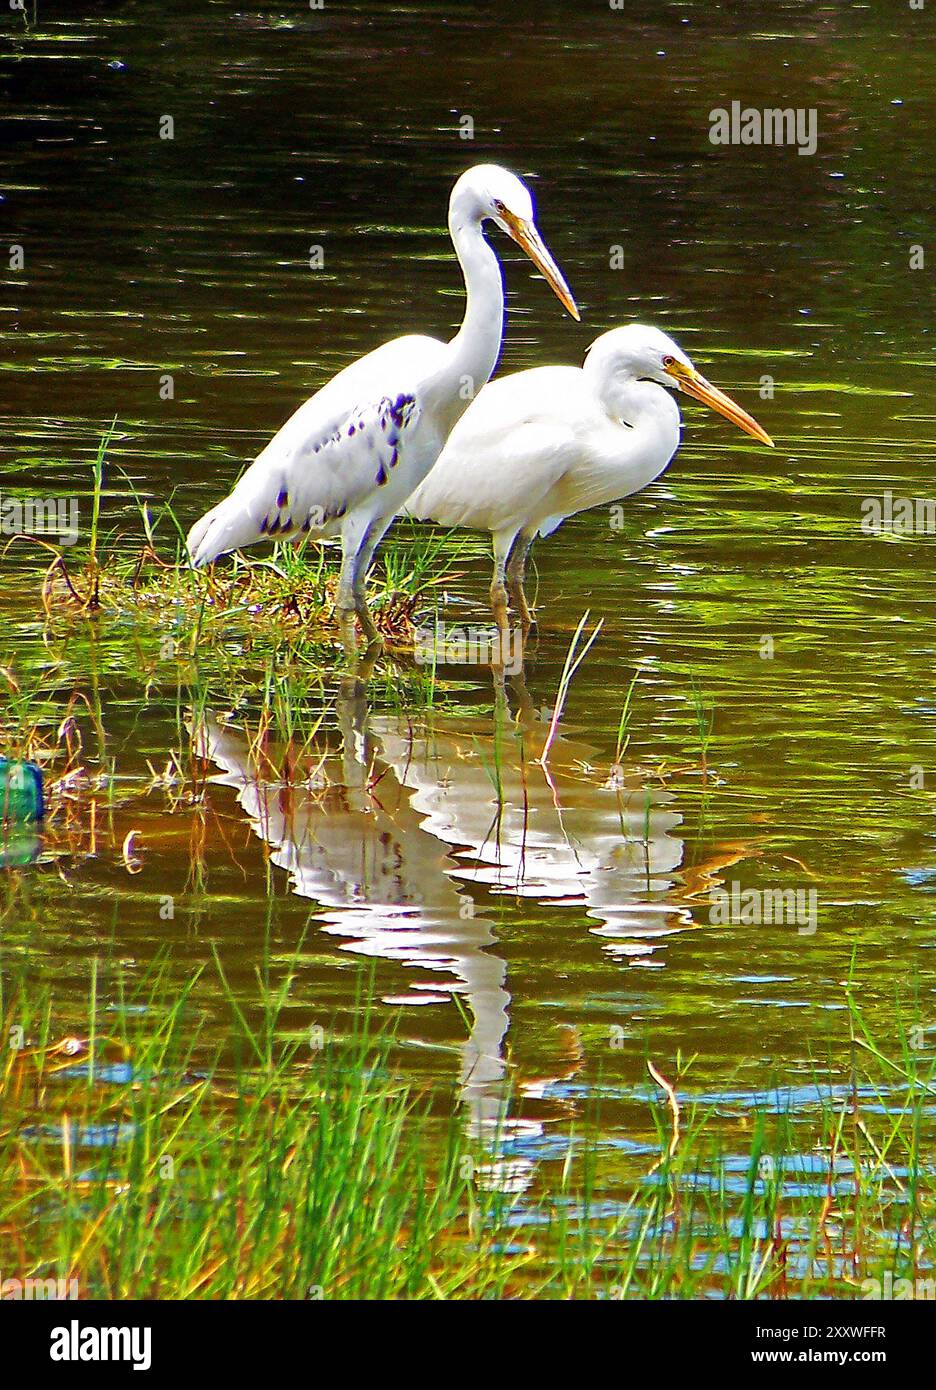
pixel 320 478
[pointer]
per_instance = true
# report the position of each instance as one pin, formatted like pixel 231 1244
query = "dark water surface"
pixel 573 921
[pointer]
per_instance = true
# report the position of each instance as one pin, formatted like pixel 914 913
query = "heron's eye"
pixel 499 206
pixel 669 361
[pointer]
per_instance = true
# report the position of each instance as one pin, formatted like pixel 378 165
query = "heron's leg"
pixel 499 605
pixel 346 604
pixel 367 623
pixel 503 540
pixel 372 538
pixel 516 570
pixel 351 602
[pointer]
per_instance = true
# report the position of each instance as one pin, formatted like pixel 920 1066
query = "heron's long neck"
pixel 473 352
pixel 646 416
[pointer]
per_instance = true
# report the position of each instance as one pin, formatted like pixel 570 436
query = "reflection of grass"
pixel 704 712
pixel 139 1163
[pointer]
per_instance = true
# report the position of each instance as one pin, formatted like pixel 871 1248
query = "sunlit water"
pixel 571 914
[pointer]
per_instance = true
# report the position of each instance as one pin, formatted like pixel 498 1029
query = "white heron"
pixel 348 458
pixel 538 446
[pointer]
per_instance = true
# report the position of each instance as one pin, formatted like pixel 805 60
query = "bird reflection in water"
pixel 414 823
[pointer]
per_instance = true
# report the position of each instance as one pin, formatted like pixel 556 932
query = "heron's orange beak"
pixel 695 385
pixel 529 240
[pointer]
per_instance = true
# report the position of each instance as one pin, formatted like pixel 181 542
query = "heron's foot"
pixel 348 619
pixel 368 626
pixel 369 658
pixel 360 669
pixel 500 609
pixel 509 652
pixel 360 663
pixel 519 600
pixel 347 625
pixel 352 686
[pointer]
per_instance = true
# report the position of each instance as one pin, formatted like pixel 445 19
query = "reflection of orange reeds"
pixel 701 878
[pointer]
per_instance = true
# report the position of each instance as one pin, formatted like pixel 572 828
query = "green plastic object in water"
pixel 21 797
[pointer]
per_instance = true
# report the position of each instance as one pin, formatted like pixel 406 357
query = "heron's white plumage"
pixel 340 449
pixel 345 462
pixel 505 453
pixel 540 445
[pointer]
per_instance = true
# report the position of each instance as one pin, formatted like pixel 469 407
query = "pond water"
pixel 547 939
